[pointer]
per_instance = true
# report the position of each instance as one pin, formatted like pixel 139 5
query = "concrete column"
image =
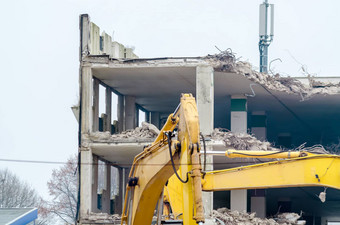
pixel 136 117
pixel 238 200
pixel 125 178
pixel 147 117
pixel 84 35
pixel 259 125
pixel 208 197
pixel 120 113
pixel 205 108
pixel 155 119
pixel 108 109
pixel 258 202
pixel 205 98
pixel 119 199
pixel 106 204
pixel 104 124
pixel 86 181
pixel 95 105
pixel 130 112
pixel 238 124
pixel 259 130
pixel 94 188
pixel 86 100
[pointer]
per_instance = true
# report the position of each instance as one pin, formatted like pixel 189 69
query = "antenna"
pixel 265 37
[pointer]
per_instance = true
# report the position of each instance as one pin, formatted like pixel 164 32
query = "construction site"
pixel 295 120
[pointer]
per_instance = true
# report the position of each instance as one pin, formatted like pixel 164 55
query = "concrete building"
pixel 229 95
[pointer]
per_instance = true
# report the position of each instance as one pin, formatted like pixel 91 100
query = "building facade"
pixel 229 95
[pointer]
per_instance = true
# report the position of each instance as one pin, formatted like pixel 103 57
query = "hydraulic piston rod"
pixel 231 153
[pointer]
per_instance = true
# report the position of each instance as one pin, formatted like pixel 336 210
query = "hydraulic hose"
pixel 168 135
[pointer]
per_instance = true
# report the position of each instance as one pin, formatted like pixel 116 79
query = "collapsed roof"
pixel 226 62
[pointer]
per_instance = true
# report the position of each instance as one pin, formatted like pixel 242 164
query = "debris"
pixel 150 127
pixel 101 218
pixel 244 141
pixel 288 218
pixel 227 62
pixel 146 132
pixel 241 140
pixel 243 218
pixel 322 195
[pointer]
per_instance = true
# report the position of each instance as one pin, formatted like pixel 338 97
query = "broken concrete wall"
pixel 95 44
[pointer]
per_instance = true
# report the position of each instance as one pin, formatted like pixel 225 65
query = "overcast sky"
pixel 39 57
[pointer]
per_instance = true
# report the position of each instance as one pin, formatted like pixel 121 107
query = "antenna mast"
pixel 266 37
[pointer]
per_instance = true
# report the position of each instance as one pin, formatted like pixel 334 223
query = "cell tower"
pixel 266 37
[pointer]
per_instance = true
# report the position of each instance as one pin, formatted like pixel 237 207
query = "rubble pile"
pixel 146 131
pixel 98 218
pixel 241 140
pixel 225 216
pixel 226 61
pixel 289 218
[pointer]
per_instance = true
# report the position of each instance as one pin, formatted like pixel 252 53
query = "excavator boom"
pixel 157 163
pixel 319 170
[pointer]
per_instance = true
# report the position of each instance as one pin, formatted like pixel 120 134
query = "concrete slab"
pixel 122 154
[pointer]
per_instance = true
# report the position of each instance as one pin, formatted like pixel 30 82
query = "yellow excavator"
pixel 179 155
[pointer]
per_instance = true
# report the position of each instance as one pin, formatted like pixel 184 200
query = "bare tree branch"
pixel 63 187
pixel 15 193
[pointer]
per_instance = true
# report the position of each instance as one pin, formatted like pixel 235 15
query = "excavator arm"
pixel 157 163
pixel 315 170
pixel 295 169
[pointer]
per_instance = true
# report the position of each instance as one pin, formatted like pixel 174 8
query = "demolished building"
pixel 261 111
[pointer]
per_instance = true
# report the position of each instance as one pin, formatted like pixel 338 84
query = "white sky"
pixel 39 57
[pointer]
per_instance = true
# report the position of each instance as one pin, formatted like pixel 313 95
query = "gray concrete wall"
pixel 96 44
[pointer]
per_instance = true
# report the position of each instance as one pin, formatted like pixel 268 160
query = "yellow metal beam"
pixel 169 125
pixel 174 194
pixel 152 173
pixel 319 170
pixel 188 135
